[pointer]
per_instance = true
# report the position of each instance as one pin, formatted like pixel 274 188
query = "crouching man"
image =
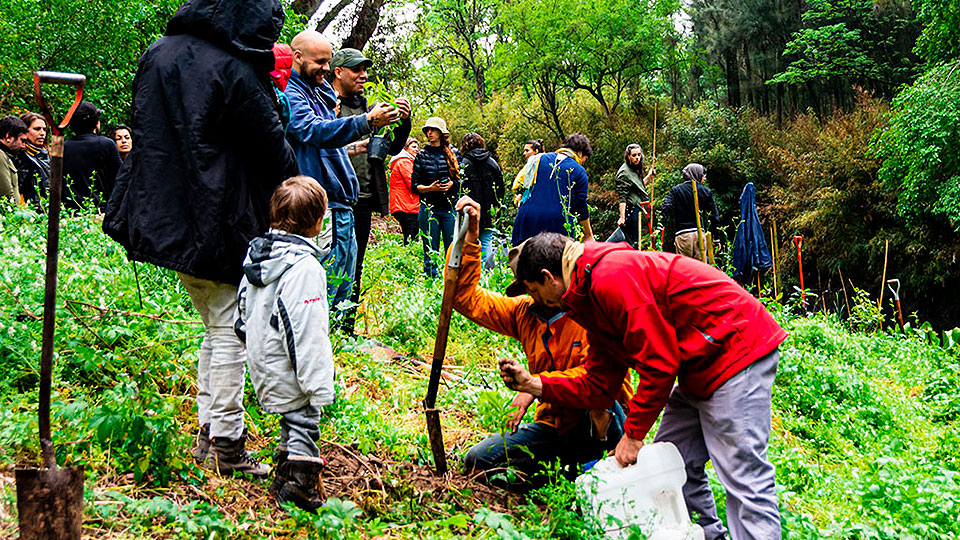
pixel 555 346
pixel 670 318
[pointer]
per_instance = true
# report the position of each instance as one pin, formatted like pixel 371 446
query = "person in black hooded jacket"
pixel 196 188
pixel 482 182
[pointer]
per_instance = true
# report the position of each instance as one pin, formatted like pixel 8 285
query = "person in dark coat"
pixel 90 161
pixel 196 187
pixel 436 179
pixel 349 69
pixel 483 182
pixel 679 215
pixel 34 163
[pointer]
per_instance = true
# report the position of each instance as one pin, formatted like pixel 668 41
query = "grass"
pixel 865 431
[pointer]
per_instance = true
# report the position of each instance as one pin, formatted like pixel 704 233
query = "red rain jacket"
pixel 669 317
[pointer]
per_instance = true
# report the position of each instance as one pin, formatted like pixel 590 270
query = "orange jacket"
pixel 401 198
pixel 556 348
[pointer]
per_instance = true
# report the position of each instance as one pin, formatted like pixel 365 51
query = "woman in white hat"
pixel 436 178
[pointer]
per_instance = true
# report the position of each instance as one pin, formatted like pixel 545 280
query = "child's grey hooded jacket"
pixel 284 319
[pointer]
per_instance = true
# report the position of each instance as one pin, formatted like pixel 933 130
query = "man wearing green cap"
pixel 349 73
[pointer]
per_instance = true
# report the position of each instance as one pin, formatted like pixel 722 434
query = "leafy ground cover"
pixel 865 435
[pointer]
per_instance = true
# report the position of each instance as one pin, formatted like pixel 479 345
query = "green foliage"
pixel 917 147
pixel 851 40
pixel 601 48
pixel 98 38
pixel 719 139
pixel 940 39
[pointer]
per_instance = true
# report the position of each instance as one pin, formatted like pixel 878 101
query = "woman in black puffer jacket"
pixel 482 182
pixel 436 178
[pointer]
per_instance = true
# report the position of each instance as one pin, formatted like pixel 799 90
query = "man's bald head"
pixel 311 56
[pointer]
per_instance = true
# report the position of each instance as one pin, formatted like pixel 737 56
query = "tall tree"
pixel 600 47
pixel 467 32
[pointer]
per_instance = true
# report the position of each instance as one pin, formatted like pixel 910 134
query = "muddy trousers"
pixel 221 366
pixel 731 429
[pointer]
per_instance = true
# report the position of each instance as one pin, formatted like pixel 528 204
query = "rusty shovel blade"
pixel 50 503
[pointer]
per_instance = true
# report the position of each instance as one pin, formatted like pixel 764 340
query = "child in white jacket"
pixel 284 319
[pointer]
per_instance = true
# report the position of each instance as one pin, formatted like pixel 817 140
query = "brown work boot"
pixel 299 482
pixel 201 446
pixel 280 456
pixel 230 455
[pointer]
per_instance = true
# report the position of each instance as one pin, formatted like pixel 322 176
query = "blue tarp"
pixel 750 251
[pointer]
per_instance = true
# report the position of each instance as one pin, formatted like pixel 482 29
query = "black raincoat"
pixel 210 146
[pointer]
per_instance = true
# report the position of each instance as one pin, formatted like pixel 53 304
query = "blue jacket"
pixel 750 252
pixel 318 138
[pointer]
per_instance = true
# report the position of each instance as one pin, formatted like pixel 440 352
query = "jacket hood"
pixel 477 154
pixel 402 155
pixel 274 253
pixel 592 252
pixel 247 28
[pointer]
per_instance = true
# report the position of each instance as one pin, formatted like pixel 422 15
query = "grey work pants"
pixel 731 429
pixel 221 367
pixel 299 431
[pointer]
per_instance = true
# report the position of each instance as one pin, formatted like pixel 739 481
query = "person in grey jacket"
pixel 283 317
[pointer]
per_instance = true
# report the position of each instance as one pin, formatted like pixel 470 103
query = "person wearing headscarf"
pixel 678 211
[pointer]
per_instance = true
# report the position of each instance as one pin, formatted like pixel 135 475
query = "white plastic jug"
pixel 648 495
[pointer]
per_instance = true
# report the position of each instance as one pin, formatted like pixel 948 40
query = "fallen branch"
pixel 104 311
pixel 25 309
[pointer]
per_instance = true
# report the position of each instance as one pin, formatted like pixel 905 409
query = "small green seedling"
pixel 377 93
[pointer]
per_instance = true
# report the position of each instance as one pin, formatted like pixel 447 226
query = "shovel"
pixel 50 500
pixel 894 285
pixel 450 277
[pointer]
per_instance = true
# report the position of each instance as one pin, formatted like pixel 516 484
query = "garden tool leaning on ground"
pixel 450 276
pixel 894 285
pixel 50 499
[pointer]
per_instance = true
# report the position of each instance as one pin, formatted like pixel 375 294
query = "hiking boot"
pixel 280 456
pixel 230 455
pixel 301 484
pixel 201 446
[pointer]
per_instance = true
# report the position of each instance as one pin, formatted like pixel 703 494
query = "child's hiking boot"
pixel 230 455
pixel 299 482
pixel 280 456
pixel 201 446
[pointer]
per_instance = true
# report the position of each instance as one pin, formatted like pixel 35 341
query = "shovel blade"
pixel 50 503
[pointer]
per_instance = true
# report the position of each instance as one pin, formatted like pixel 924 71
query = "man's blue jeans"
pixel 535 445
pixel 435 224
pixel 341 262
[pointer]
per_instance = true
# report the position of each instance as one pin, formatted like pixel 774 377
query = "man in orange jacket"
pixel 555 346
pixel 671 319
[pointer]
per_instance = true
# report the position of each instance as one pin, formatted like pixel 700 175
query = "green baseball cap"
pixel 349 58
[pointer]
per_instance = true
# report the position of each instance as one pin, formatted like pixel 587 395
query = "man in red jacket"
pixel 670 318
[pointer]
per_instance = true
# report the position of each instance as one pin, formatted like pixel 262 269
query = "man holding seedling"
pixel 320 141
pixel 349 70
pixel 554 345
pixel 671 319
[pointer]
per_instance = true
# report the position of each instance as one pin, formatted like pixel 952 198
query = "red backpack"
pixel 283 65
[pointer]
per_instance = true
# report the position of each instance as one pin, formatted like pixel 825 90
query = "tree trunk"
pixel 305 7
pixel 328 19
pixel 367 20
pixel 733 77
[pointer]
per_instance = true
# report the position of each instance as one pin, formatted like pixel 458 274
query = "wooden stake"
pixel 883 281
pixel 845 299
pixel 653 163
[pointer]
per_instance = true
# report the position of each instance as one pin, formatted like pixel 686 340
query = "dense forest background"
pixel 845 114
